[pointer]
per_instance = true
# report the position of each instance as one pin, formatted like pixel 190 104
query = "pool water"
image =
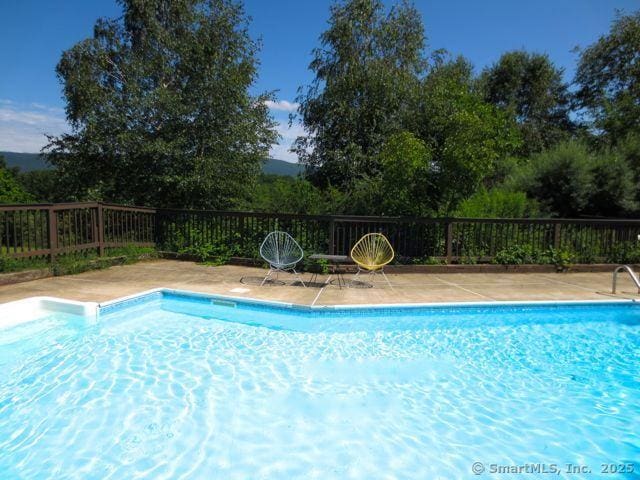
pixel 173 386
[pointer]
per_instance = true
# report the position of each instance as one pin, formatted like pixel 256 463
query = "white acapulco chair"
pixel 282 253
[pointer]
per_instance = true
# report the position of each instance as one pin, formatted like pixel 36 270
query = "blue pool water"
pixel 172 386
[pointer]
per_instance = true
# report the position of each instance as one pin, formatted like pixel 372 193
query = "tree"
pixel 613 188
pixel 366 74
pixel 160 109
pixel 284 194
pixel 568 181
pixel 44 186
pixel 468 137
pixel 10 189
pixel 530 87
pixel 405 181
pixel 608 80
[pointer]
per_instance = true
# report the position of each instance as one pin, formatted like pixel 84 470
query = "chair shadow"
pixel 257 282
pixel 351 284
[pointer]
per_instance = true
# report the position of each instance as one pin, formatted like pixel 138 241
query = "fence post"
pixel 556 236
pixel 332 230
pixel 53 233
pixel 448 240
pixel 100 229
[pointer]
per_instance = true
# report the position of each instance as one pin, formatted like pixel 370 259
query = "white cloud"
pixel 24 128
pixel 282 105
pixel 288 134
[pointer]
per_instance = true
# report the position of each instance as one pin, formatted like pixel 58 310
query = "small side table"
pixel 337 264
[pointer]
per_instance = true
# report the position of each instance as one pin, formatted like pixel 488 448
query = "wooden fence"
pixel 451 239
pixel 53 229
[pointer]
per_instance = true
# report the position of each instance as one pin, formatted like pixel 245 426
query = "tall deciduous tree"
pixel 366 73
pixel 160 109
pixel 530 87
pixel 468 137
pixel 608 77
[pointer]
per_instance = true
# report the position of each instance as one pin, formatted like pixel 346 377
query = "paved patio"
pixel 115 282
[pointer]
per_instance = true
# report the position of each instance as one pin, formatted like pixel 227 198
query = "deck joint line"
pixel 326 283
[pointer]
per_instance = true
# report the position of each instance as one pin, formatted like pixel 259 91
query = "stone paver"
pixel 115 282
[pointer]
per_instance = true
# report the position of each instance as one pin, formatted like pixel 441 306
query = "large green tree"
pixel 159 104
pixel 608 80
pixel 530 87
pixel 468 137
pixel 367 70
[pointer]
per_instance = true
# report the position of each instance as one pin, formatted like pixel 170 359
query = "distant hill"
pixel 26 161
pixel 280 167
pixel 33 161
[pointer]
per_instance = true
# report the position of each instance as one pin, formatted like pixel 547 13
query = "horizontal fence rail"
pixel 53 229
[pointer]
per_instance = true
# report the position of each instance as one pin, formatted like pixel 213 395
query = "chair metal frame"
pixel 281 251
pixel 371 253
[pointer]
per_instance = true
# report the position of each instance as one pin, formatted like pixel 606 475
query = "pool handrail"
pixel 631 273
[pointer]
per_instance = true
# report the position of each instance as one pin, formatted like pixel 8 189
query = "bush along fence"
pixel 56 229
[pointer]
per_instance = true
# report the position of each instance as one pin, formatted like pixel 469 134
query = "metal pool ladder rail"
pixel 630 271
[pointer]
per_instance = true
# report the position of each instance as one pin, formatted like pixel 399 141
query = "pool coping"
pixel 277 303
pixel 14 313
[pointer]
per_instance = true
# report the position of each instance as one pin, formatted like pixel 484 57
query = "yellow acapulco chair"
pixel 371 253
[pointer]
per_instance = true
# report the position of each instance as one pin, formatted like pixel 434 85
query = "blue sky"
pixel 35 32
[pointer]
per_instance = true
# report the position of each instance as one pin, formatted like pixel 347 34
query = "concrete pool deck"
pixel 238 281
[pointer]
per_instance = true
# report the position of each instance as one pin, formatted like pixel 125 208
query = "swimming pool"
pixel 170 385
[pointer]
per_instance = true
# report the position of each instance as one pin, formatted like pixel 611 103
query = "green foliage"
pixel 12 264
pixel 468 137
pixel 560 179
pixel 569 181
pixel 366 75
pixel 608 80
pixel 159 104
pixel 498 203
pixel 316 265
pixel 527 254
pixel 72 263
pixel 428 260
pixel 530 87
pixel 43 186
pixel 625 252
pixel 613 188
pixel 10 189
pixel 294 195
pixel 406 175
pixel 212 253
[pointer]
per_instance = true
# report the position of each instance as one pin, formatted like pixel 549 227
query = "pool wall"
pixel 20 311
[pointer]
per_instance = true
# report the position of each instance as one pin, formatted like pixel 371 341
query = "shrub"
pixel 527 254
pixel 627 252
pixel 498 203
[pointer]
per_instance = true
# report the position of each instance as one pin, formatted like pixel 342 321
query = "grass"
pixel 78 262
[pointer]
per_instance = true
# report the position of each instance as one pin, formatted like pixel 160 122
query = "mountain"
pixel 26 161
pixel 33 161
pixel 273 166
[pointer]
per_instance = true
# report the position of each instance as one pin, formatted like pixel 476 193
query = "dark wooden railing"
pixel 53 229
pixel 451 239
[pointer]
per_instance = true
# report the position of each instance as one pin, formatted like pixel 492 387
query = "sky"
pixel 34 33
